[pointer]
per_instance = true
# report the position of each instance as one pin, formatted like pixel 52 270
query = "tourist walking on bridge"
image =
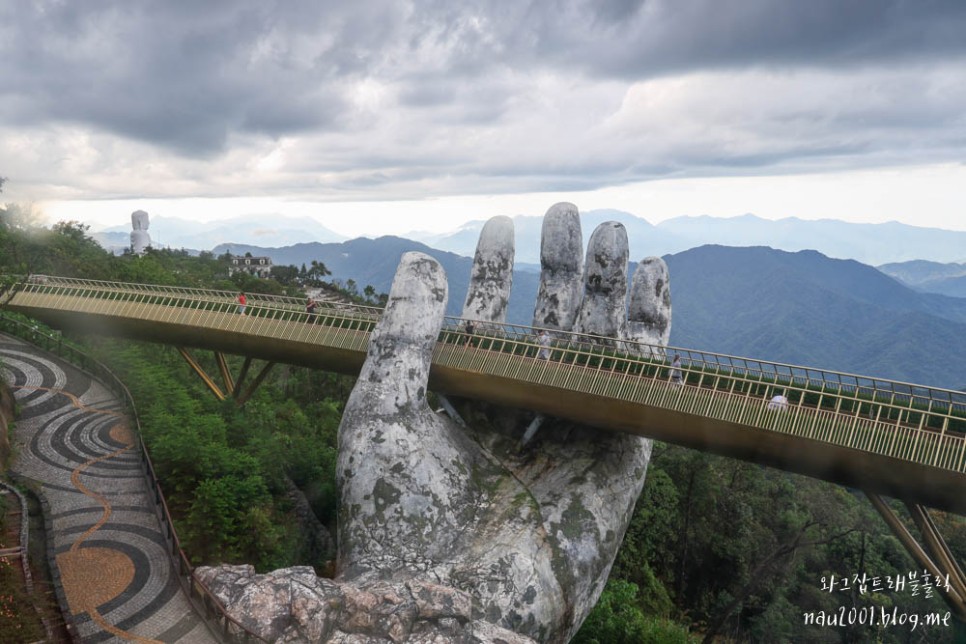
pixel 543 339
pixel 676 377
pixel 242 302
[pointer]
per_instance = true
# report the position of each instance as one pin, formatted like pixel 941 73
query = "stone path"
pixel 105 541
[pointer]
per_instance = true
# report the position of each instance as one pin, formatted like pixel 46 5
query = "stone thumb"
pixel 393 378
pixel 401 468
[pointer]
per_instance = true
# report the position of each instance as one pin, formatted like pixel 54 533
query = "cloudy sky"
pixel 387 116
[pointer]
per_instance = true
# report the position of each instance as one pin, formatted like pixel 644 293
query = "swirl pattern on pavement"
pixel 108 550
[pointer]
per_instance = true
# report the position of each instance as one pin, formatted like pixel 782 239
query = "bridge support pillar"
pixel 225 371
pixel 242 398
pixel 200 371
pixel 531 430
pixel 451 410
pixel 233 386
pixel 935 557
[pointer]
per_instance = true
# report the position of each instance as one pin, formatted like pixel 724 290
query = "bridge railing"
pixel 214 299
pixel 920 424
pixel 698 365
pixel 910 413
pixel 278 307
pixel 190 305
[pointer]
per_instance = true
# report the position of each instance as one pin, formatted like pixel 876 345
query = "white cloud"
pixel 376 101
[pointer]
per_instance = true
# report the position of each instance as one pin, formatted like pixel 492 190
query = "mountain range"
pixel 807 309
pixel 871 244
pixel 868 243
pixel 174 232
pixel 800 308
pixel 930 277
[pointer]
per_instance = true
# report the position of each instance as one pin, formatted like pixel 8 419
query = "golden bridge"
pixel 883 437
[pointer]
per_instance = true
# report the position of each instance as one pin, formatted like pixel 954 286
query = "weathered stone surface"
pixel 492 273
pixel 649 311
pixel 536 532
pixel 487 633
pixel 603 309
pixel 435 601
pixel 403 507
pixel 287 605
pixel 561 268
pixel 379 609
pixel 292 605
pixel 317 544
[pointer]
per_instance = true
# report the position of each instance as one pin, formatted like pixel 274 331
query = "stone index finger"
pixel 402 469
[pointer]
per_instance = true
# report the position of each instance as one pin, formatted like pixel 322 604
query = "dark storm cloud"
pixel 182 74
pixel 657 37
pixel 402 85
pixel 176 70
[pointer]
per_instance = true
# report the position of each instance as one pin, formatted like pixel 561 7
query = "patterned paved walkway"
pixel 105 539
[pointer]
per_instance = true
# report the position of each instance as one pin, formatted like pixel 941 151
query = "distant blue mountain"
pixel 868 243
pixel 807 309
pixel 255 230
pixel 872 244
pixel 645 239
pixel 800 308
pixel 930 277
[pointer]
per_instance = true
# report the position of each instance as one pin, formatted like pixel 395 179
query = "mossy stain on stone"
pixel 385 494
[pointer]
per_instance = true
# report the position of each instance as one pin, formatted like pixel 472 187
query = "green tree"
pixel 618 619
pixel 740 551
pixel 648 544
pixel 285 275
pixel 316 272
pixel 216 520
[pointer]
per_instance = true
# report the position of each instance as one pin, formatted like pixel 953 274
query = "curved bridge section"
pixel 897 439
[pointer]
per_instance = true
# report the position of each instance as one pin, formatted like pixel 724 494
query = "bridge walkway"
pixel 108 553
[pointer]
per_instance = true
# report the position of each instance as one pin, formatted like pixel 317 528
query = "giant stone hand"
pixel 529 532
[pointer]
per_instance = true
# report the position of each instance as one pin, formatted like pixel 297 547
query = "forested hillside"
pixel 804 308
pixel 718 549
